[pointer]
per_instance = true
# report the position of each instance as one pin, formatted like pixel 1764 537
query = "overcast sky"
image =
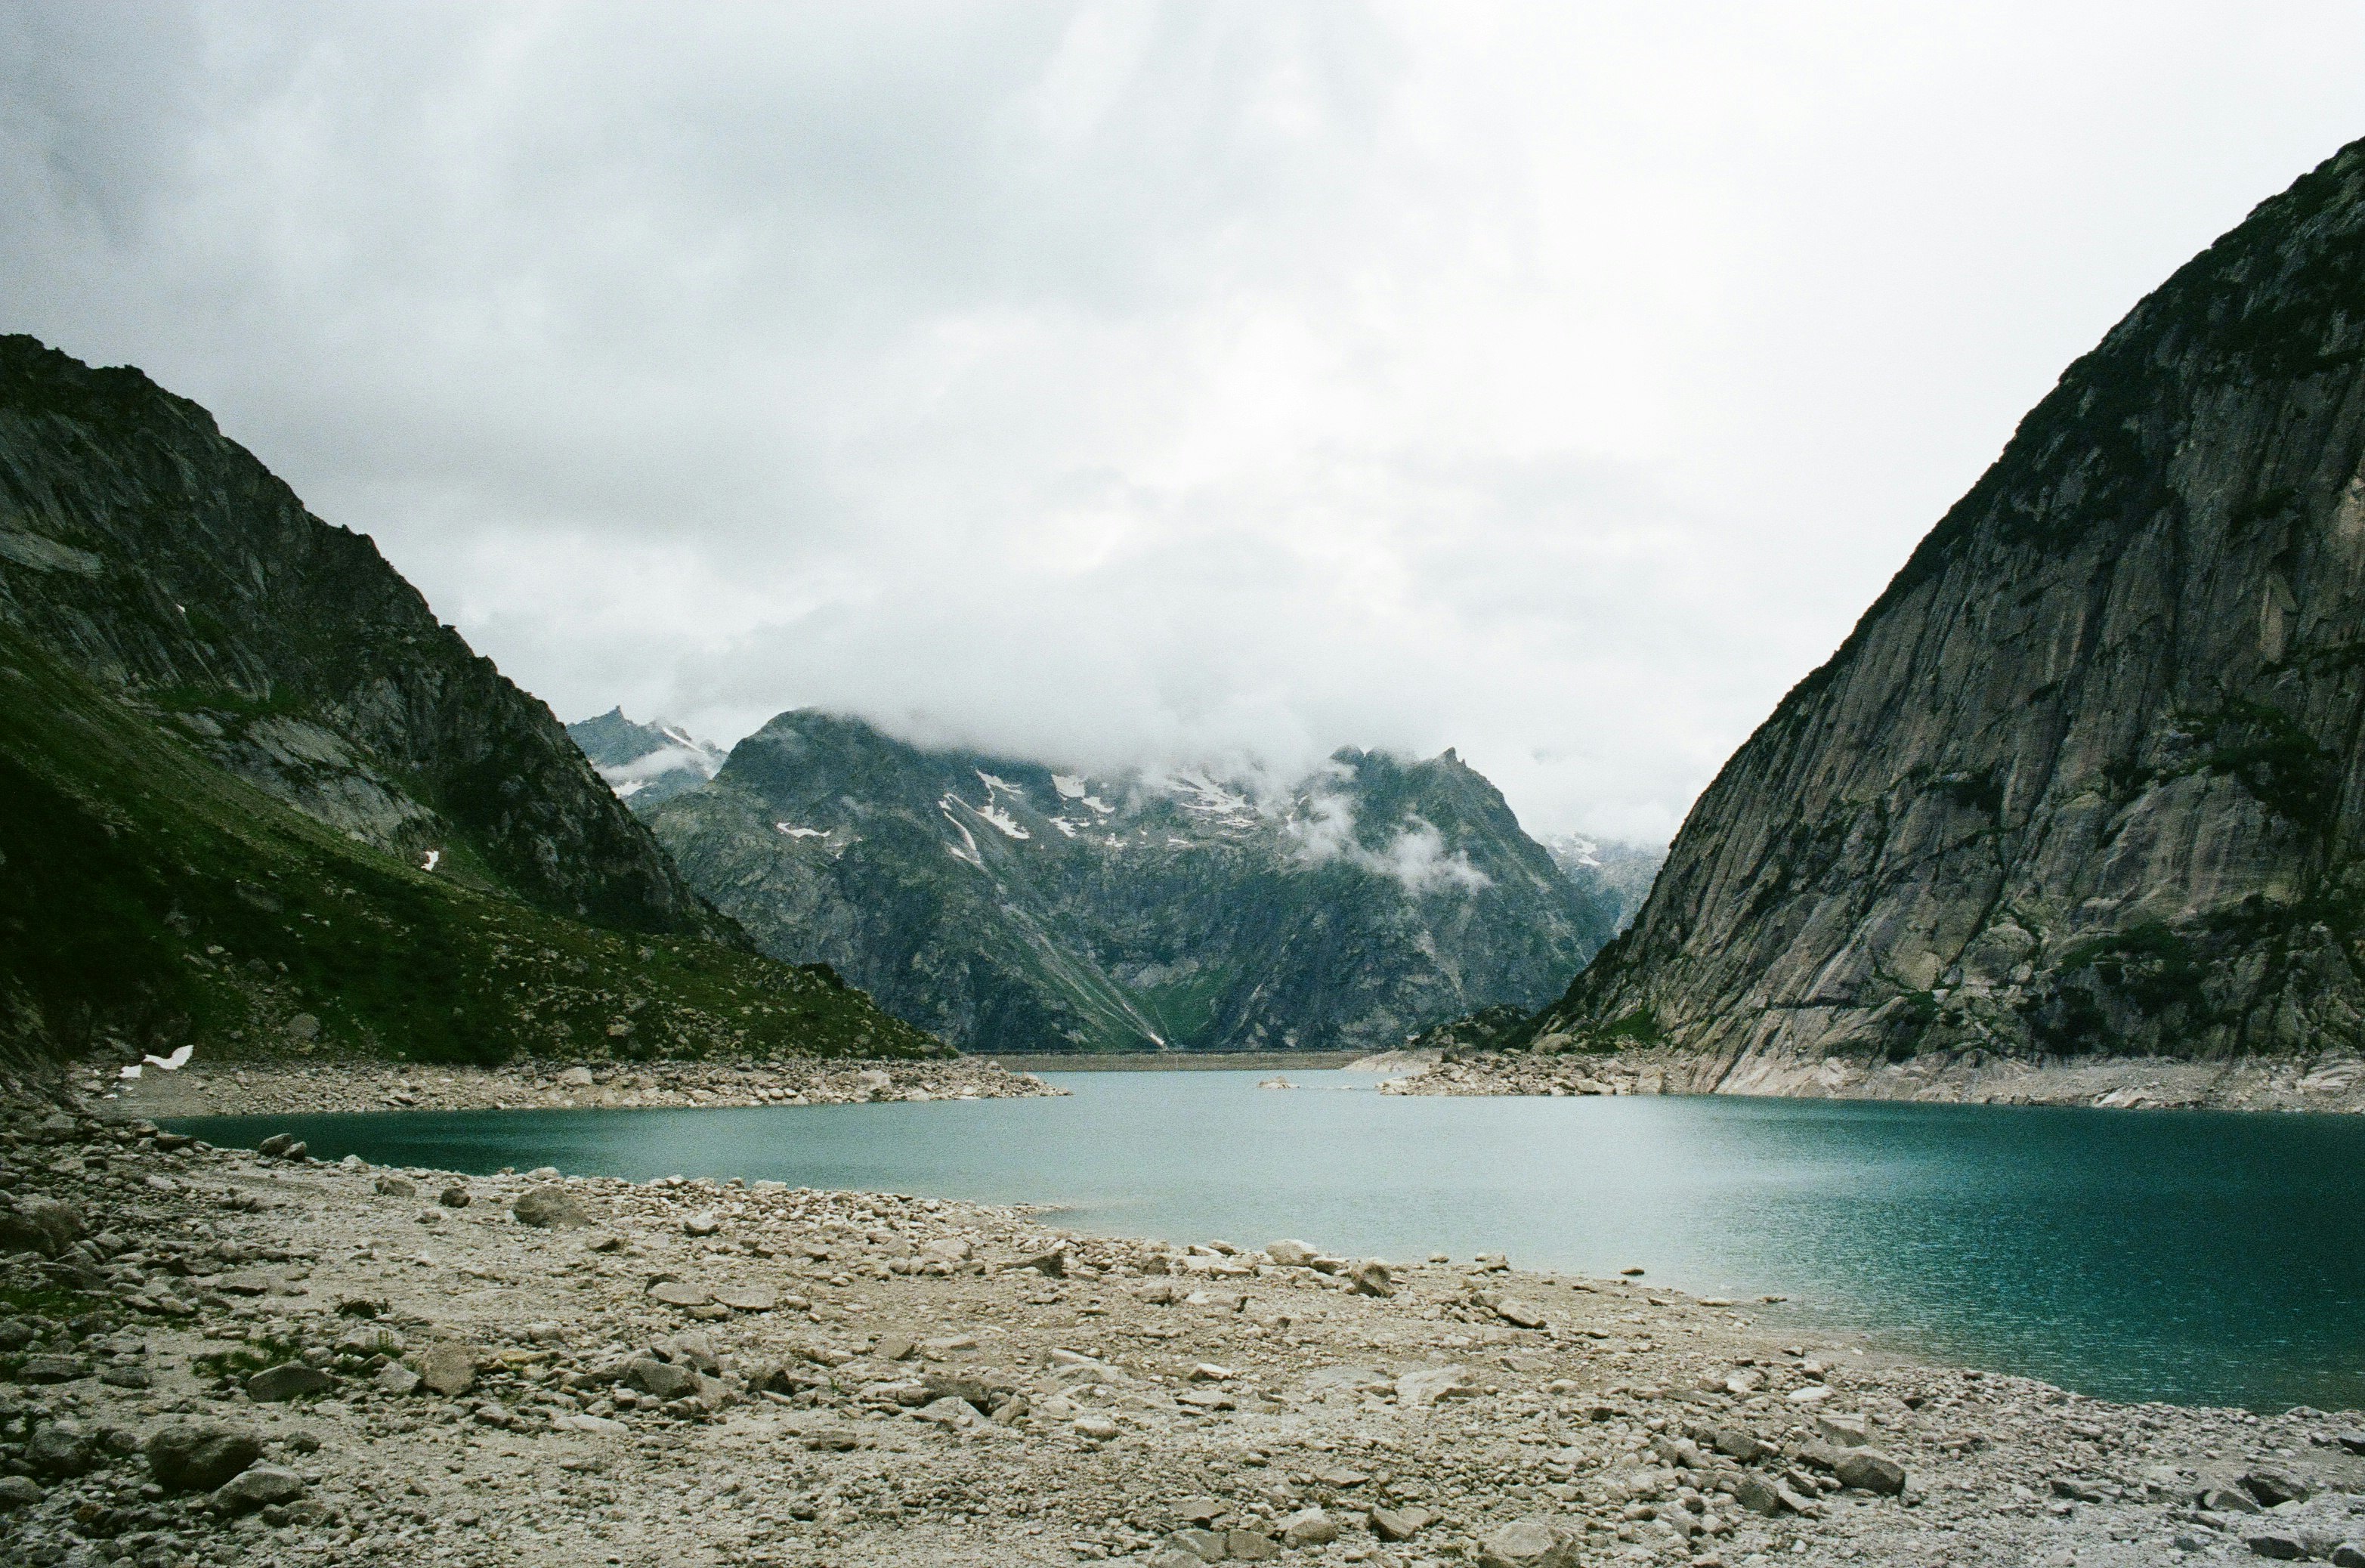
pixel 1130 382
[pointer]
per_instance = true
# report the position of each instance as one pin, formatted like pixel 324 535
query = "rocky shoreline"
pixel 266 1086
pixel 2330 1081
pixel 224 1356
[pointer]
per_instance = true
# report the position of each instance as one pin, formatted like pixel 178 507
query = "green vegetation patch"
pixel 150 898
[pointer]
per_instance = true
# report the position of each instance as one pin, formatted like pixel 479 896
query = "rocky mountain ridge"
pixel 162 561
pixel 1015 906
pixel 645 763
pixel 259 802
pixel 2087 777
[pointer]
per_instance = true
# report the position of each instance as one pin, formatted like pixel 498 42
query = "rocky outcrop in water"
pixel 2087 777
pixel 1014 907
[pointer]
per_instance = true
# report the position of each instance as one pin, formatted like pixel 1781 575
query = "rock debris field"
pixel 2330 1081
pixel 231 1357
pixel 233 1088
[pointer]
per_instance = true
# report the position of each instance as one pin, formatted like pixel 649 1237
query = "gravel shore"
pixel 250 1088
pixel 2333 1082
pixel 222 1355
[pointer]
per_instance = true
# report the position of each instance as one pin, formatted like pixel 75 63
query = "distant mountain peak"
pixel 645 763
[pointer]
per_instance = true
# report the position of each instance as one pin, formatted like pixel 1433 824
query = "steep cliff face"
pixel 162 561
pixel 2087 777
pixel 1010 906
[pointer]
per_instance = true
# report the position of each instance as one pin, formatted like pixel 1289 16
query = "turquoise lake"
pixel 2194 1256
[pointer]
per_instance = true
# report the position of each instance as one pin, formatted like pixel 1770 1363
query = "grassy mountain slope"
pixel 156 556
pixel 150 898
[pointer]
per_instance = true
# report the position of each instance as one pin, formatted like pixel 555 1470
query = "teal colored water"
pixel 2198 1257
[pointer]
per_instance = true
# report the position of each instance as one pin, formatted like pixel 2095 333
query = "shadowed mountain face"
pixel 2087 777
pixel 162 560
pixel 257 800
pixel 1011 906
pixel 645 763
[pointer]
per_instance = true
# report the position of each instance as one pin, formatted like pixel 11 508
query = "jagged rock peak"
pixel 2088 776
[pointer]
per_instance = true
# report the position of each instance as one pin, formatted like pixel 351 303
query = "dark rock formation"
pixel 2088 776
pixel 162 560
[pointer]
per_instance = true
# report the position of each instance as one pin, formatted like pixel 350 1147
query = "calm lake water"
pixel 2194 1256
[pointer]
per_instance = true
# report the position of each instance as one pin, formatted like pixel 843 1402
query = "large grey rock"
pixel 1527 1543
pixel 663 1379
pixel 1308 1527
pixel 548 1207
pixel 256 1487
pixel 39 1224
pixel 2083 776
pixel 199 1457
pixel 1870 1469
pixel 18 1492
pixel 448 1368
pixel 287 1381
pixel 60 1449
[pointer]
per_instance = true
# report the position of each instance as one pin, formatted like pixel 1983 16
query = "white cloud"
pixel 1415 854
pixel 1137 383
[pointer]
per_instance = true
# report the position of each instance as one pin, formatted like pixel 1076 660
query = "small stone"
pixel 1522 1313
pixel 2227 1500
pixel 453 1197
pixel 675 1292
pixel 287 1381
pixel 1250 1545
pixel 1339 1476
pixel 396 1379
pixel 2275 1544
pixel 276 1145
pixel 448 1368
pixel 1870 1469
pixel 1734 1443
pixel 1399 1524
pixel 2353 1441
pixel 1289 1254
pixel 700 1225
pixel 549 1207
pixel 1756 1494
pixel 895 1348
pixel 397 1187
pixel 1371 1277
pixel 1173 1556
pixel 2076 1491
pixel 257 1487
pixel 577 1078
pixel 1846 1432
pixel 1200 1510
pixel 748 1298
pixel 199 1457
pixel 1099 1429
pixel 16 1492
pixel 2348 1554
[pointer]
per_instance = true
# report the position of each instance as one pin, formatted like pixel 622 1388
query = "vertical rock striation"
pixel 2087 776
